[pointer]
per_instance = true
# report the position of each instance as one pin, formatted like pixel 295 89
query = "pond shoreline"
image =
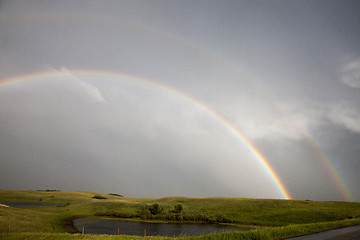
pixel 69 224
pixel 132 227
pixel 166 221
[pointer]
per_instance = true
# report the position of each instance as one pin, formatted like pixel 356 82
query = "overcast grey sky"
pixel 285 74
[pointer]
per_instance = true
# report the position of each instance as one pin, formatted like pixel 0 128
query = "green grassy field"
pixel 273 219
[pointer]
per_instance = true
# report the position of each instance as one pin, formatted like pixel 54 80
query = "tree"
pixel 178 208
pixel 155 209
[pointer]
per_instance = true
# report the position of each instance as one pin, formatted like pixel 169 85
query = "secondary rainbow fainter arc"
pixel 247 143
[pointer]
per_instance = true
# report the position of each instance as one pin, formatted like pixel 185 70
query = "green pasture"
pixel 271 219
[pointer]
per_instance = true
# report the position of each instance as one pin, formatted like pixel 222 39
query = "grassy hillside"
pixel 285 215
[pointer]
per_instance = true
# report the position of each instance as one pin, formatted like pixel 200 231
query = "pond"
pixel 28 204
pixel 122 227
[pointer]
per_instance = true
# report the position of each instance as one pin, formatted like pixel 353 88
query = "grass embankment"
pixel 276 218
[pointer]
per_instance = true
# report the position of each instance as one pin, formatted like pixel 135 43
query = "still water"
pixel 28 204
pixel 112 227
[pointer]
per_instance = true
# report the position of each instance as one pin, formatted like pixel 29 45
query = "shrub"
pixel 115 214
pixel 203 217
pixel 144 213
pixel 178 208
pixel 155 209
pixel 220 218
pixel 179 217
pixel 99 197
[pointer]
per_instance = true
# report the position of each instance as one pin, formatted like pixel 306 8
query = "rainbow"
pixel 321 155
pixel 231 129
pixel 328 165
pixel 330 168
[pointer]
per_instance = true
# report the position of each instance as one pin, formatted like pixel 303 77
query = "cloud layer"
pixel 351 73
pixel 275 72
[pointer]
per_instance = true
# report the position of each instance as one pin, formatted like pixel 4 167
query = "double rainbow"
pixel 108 20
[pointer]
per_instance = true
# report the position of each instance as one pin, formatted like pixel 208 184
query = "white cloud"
pixel 272 121
pixel 90 89
pixel 347 116
pixel 350 73
pixel 294 121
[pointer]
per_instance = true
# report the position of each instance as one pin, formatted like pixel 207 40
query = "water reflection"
pixel 113 227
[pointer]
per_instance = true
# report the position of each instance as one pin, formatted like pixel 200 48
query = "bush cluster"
pixel 99 197
pixel 155 211
pixel 151 212
pixel 217 218
pixel 116 214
